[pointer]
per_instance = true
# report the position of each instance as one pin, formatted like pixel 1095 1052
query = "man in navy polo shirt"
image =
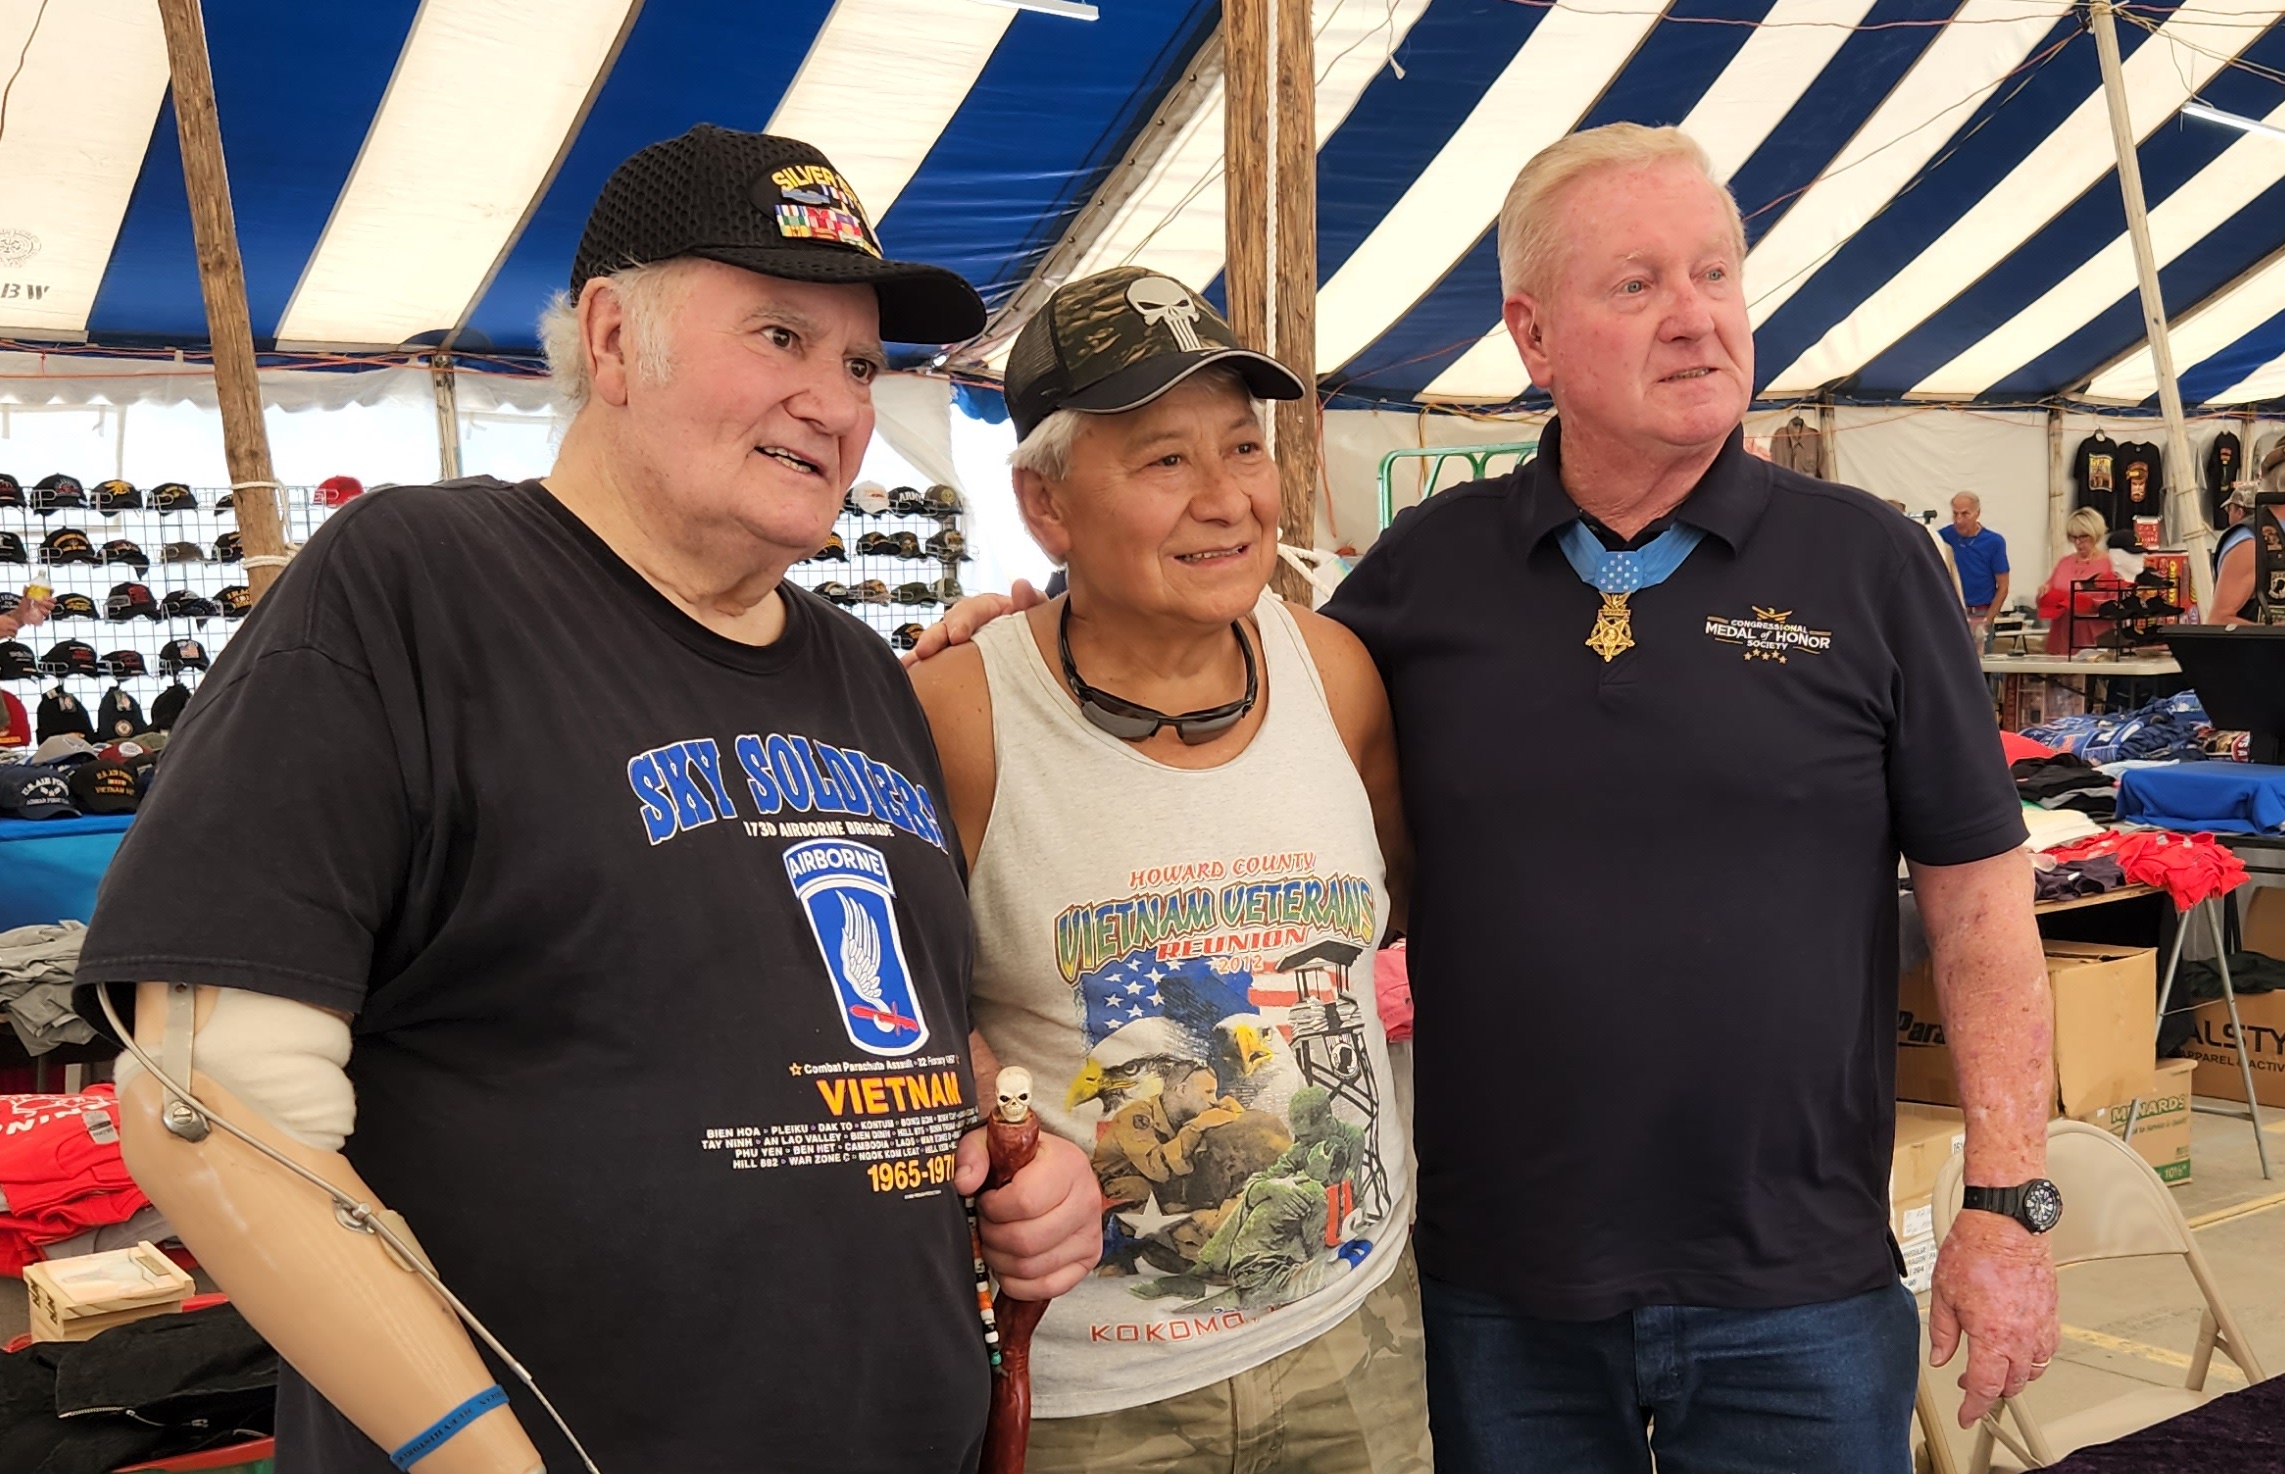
pixel 1981 556
pixel 1667 716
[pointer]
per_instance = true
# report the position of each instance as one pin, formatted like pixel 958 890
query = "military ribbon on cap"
pixel 815 203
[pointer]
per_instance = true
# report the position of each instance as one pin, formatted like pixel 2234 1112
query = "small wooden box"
pixel 74 1299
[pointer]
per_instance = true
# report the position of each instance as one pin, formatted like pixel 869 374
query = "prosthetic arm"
pixel 335 1283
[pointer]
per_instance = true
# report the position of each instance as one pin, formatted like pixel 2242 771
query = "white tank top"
pixel 1183 959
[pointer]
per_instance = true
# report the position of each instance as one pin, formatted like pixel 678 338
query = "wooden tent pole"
pixel 1270 179
pixel 2181 476
pixel 222 281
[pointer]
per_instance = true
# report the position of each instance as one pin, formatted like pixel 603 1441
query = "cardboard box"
pixel 74 1299
pixel 2106 1003
pixel 2161 1121
pixel 2213 1044
pixel 1926 1137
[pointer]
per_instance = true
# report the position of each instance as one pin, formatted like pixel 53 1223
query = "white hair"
pixel 1046 451
pixel 1975 503
pixel 648 295
pixel 1530 234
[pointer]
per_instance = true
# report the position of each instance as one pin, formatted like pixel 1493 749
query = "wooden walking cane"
pixel 1012 1134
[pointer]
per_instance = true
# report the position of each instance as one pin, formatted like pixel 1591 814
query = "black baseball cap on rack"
pixel 121 665
pixel 184 604
pixel 12 549
pixel 57 493
pixel 226 502
pixel 771 205
pixel 67 545
pixel 173 496
pixel 76 606
pixel 115 495
pixel 11 491
pixel 17 663
pixel 131 601
pixel 71 658
pixel 1117 340
pixel 177 656
pixel 119 715
pixel 229 548
pixel 167 709
pixel 120 550
pixel 236 599
pixel 181 552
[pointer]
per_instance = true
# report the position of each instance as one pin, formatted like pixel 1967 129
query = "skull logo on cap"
pixel 1160 300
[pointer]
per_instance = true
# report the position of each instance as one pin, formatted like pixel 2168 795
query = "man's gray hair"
pixel 1975 503
pixel 1046 451
pixel 1530 241
pixel 647 297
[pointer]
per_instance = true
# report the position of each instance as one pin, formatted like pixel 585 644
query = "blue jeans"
pixel 1818 1389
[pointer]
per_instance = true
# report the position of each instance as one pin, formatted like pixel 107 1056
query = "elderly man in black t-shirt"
pixel 614 932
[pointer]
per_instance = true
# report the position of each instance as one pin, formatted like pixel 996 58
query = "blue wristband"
pixel 440 1432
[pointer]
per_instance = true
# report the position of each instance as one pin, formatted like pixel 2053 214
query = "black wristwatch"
pixel 2037 1204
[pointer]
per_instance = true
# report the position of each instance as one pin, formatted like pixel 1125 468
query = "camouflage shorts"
pixel 1353 1401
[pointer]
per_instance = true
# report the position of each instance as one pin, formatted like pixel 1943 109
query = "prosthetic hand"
pixel 335 1284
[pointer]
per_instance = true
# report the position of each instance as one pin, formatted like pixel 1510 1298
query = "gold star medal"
pixel 1613 634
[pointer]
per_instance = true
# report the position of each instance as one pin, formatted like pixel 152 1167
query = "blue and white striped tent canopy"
pixel 1929 184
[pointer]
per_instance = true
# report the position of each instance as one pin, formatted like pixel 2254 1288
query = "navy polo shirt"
pixel 1654 918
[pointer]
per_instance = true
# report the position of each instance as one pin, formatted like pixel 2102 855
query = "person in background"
pixel 28 612
pixel 2084 563
pixel 2235 554
pixel 1980 556
pixel 1176 916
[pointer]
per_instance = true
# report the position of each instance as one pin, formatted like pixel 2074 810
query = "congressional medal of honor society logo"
pixel 1770 634
pixel 845 889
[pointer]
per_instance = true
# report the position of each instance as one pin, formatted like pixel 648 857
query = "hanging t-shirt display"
pixel 2141 482
pixel 656 949
pixel 2095 468
pixel 2225 463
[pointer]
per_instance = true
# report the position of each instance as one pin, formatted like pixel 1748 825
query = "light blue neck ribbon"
pixel 1624 573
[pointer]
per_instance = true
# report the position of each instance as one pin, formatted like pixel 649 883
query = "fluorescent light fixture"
pixel 1175 220
pixel 877 136
pixel 2241 172
pixel 2230 120
pixel 2179 58
pixel 79 123
pixel 1073 9
pixel 1794 43
pixel 438 194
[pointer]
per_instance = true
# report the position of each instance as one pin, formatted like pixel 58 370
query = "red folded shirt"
pixel 2189 867
pixel 60 1171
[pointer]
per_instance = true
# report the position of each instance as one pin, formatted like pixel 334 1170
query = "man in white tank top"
pixel 1177 797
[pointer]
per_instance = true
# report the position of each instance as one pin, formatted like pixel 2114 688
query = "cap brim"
pixel 50 811
pixel 1139 384
pixel 919 303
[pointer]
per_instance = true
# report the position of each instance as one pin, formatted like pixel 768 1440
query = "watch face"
pixel 2042 1206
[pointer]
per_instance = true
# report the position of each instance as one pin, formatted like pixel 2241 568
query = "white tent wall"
pixel 1924 455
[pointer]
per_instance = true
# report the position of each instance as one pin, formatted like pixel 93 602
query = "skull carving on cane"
pixel 1014 1090
pixel 1161 301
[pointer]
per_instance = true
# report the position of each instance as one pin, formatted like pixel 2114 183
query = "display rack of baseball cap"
pixel 894 557
pixel 149 582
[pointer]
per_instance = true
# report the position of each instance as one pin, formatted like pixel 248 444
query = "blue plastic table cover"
pixel 50 868
pixel 2225 798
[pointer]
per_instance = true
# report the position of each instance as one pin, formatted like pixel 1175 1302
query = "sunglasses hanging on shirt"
pixel 1131 722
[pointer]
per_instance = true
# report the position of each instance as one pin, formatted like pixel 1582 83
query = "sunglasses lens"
pixel 1119 724
pixel 1207 729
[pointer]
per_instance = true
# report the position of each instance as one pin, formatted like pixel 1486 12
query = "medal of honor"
pixel 1613 634
pixel 1616 576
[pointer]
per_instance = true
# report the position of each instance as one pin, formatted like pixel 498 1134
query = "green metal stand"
pixel 1478 457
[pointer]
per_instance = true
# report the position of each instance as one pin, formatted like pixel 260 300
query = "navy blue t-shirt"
pixel 1654 925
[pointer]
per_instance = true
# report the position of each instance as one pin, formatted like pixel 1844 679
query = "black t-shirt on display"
pixel 2141 482
pixel 2225 464
pixel 1654 920
pixel 657 949
pixel 2095 467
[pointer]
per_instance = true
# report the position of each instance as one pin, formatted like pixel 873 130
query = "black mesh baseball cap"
pixel 770 205
pixel 11 491
pixel 1117 340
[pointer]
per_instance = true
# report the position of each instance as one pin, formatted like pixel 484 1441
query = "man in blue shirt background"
pixel 1981 556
